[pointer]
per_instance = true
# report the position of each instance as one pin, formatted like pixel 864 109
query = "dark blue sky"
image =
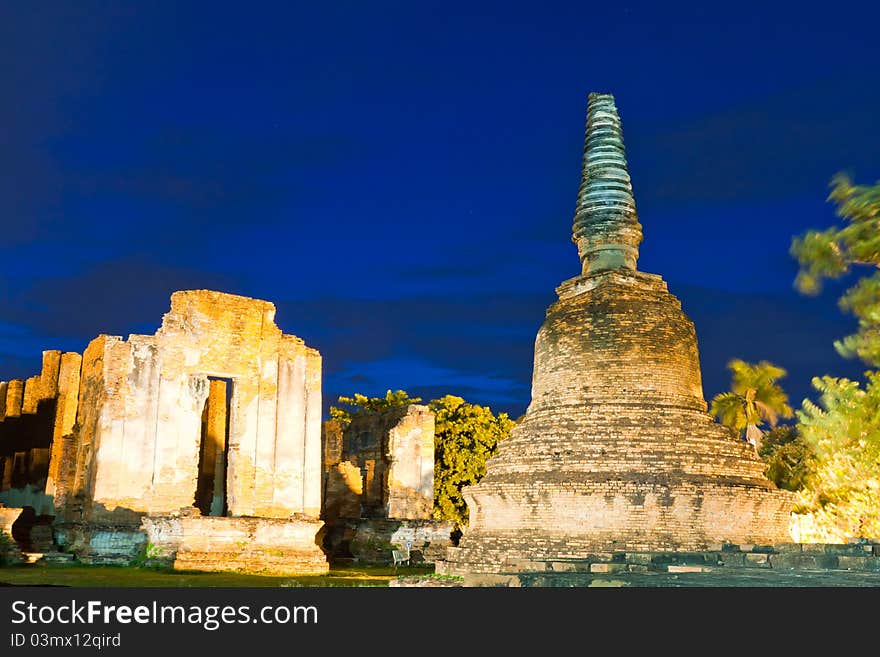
pixel 400 178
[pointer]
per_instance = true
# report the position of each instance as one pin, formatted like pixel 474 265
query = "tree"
pixel 832 253
pixel 363 404
pixel 466 435
pixel 755 398
pixel 842 493
pixel 789 457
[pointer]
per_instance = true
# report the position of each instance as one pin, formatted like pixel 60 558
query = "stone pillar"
pixel 3 386
pixel 91 397
pixel 331 443
pixel 14 396
pixel 49 374
pixel 31 395
pixel 19 469
pixel 290 429
pixel 312 460
pixel 62 458
pixel 141 416
pixel 242 447
pixel 264 454
pixel 110 473
pixel 8 464
pixel 38 464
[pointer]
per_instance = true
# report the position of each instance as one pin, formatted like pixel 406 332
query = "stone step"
pixel 858 558
pixel 688 569
pixel 608 567
pixel 58 557
pixel 48 557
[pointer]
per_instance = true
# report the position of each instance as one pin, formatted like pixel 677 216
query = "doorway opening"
pixel 210 496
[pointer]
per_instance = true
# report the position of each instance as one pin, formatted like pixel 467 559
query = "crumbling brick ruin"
pixel 616 451
pixel 379 486
pixel 202 441
pixel 37 417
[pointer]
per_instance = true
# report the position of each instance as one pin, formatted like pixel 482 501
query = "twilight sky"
pixel 399 178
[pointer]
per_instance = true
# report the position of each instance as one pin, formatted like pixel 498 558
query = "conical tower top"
pixel 606 227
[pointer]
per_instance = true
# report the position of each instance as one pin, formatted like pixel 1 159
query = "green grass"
pixel 82 575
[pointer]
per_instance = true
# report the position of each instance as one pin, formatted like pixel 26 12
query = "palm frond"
pixel 728 408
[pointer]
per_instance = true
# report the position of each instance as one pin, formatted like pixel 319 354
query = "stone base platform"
pixel 271 546
pixel 266 546
pixel 370 540
pixel 602 511
pixel 725 562
pixel 101 543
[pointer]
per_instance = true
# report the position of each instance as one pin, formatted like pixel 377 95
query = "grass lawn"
pixel 82 575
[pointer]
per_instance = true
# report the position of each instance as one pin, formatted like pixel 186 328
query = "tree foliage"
pixel 362 404
pixel 789 457
pixel 832 253
pixel 843 492
pixel 755 399
pixel 466 435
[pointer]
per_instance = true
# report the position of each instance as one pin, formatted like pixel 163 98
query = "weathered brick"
pixel 854 563
pixel 687 569
pixel 759 560
pixel 608 567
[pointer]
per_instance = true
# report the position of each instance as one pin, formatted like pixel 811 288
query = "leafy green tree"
pixel 362 404
pixel 755 398
pixel 466 435
pixel 834 252
pixel 842 493
pixel 789 457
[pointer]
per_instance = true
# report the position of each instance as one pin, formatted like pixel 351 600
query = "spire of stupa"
pixel 606 227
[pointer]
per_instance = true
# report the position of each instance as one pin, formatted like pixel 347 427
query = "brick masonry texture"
pixel 724 564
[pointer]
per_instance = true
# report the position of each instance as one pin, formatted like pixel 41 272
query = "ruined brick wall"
pixel 384 466
pixel 36 418
pixel 343 484
pixel 217 414
pixel 142 403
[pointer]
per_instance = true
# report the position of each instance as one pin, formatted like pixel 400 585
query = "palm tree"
pixel 755 398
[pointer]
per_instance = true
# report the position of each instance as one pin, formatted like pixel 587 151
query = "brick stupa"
pixel 616 450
